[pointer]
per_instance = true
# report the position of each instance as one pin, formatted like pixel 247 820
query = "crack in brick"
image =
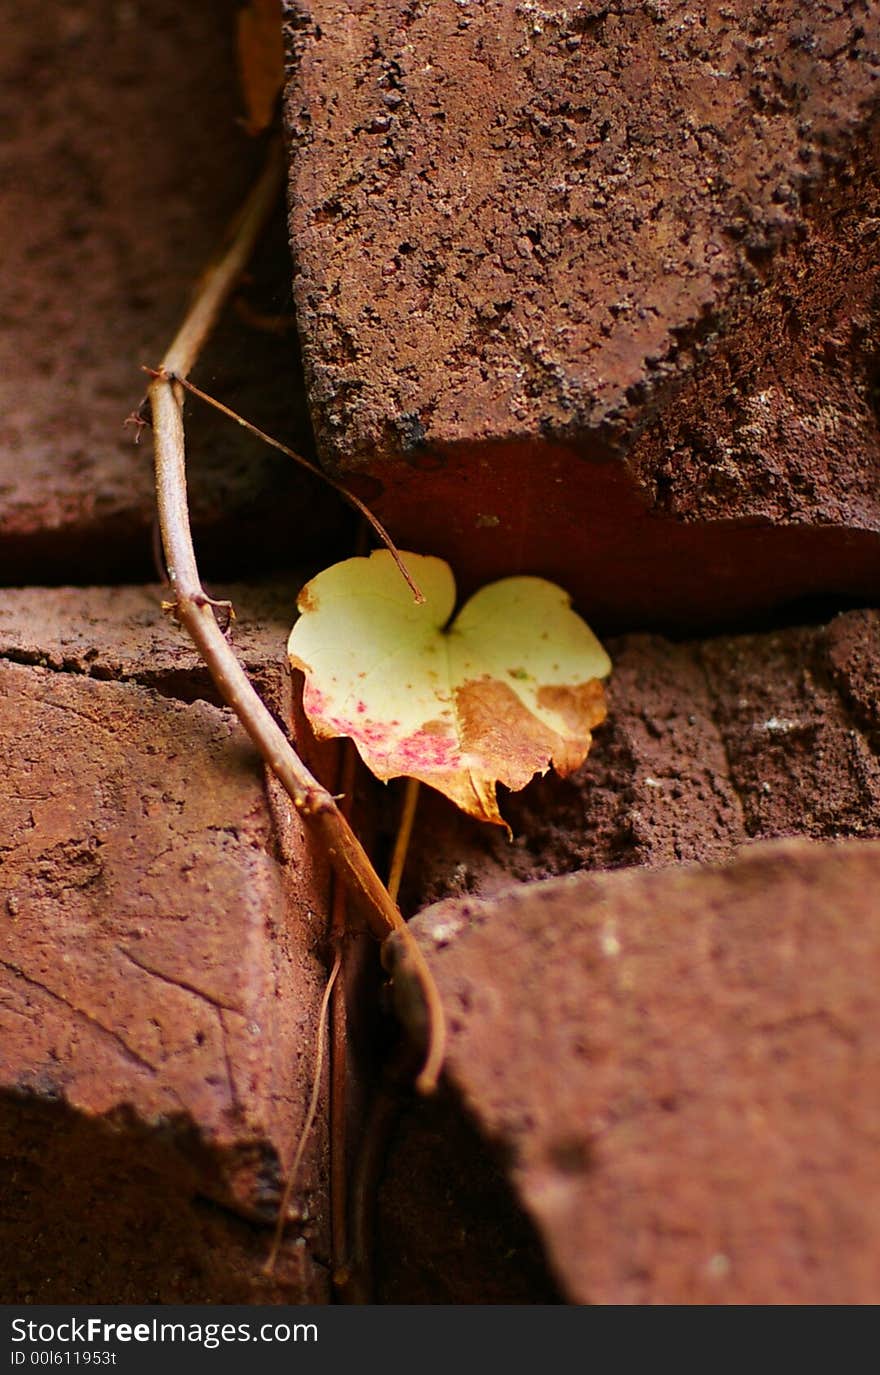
pixel 201 993
pixel 85 1016
pixel 187 684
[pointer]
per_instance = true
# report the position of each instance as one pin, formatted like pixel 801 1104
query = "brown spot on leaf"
pixel 581 707
pixel 438 727
pixel 512 743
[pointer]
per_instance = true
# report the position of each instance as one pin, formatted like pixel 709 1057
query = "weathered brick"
pixel 679 1071
pixel 120 633
pixel 124 159
pixel 592 294
pixel 160 929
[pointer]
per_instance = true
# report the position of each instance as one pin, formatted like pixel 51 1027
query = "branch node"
pixel 315 802
pixel 227 618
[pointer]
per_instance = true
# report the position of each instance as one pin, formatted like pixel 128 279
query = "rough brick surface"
pixel 707 744
pixel 580 288
pixel 586 292
pixel 123 161
pixel 120 633
pixel 797 729
pixel 158 950
pixel 680 1071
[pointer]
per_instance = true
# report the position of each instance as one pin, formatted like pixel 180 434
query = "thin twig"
pixel 339 1042
pixel 222 275
pixel 316 471
pixel 293 1172
pixel 192 607
pixel 404 835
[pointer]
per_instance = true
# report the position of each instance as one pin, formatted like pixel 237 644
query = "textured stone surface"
pixel 121 633
pixel 797 726
pixel 588 292
pixel 707 744
pixel 123 161
pixel 160 974
pixel 591 292
pixel 680 1071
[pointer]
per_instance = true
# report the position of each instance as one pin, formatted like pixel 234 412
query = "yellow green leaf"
pixel 507 688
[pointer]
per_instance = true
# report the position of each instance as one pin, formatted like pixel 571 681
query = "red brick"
pixel 159 954
pixel 124 159
pixel 120 633
pixel 590 294
pixel 679 1070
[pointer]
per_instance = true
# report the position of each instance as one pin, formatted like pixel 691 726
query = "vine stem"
pixel 338 1087
pixel 311 1114
pixel 404 836
pixel 194 609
